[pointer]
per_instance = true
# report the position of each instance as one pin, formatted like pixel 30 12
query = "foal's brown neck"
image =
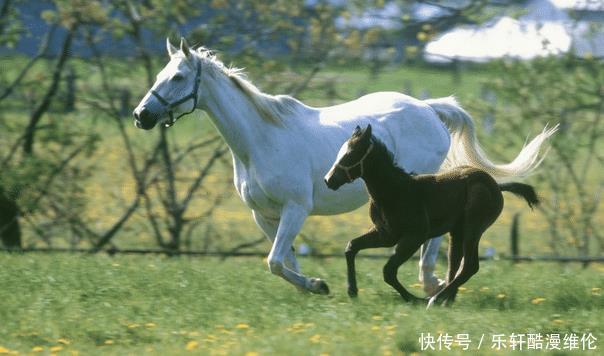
pixel 381 176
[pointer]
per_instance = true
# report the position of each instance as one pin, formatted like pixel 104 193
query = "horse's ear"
pixel 357 131
pixel 171 49
pixel 367 132
pixel 184 47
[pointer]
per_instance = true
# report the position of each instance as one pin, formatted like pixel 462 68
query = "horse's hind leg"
pixel 427 263
pixel 404 250
pixel 469 267
pixel 371 239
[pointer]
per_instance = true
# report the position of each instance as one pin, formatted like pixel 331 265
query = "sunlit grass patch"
pixel 209 306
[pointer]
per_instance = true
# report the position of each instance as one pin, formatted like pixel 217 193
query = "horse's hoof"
pixel 318 286
pixel 353 293
pixel 433 286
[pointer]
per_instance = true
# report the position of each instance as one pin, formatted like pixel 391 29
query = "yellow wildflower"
pixel 4 350
pixel 537 300
pixel 377 317
pixel 484 289
pixel 315 338
pixel 416 285
pixel 242 326
pixel 251 353
pixel 37 349
pixel 191 345
pixel 558 321
pixel 109 342
pixel 500 296
pixel 150 325
pixel 56 348
pixel 63 341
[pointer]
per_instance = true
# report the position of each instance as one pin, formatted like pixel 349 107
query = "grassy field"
pixel 73 304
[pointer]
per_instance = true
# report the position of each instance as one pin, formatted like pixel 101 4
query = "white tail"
pixel 465 149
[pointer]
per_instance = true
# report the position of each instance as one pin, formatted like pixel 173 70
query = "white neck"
pixel 234 116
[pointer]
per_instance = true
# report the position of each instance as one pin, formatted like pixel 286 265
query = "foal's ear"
pixel 171 49
pixel 367 132
pixel 357 131
pixel 184 47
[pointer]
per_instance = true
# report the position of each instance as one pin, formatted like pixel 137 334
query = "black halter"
pixel 172 105
pixel 347 169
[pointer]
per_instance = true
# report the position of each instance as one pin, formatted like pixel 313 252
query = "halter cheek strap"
pixel 171 105
pixel 347 169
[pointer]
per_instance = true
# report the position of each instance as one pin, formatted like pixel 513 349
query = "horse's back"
pixel 409 127
pixel 374 106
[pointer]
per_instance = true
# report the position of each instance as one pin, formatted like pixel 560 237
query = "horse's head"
pixel 175 91
pixel 351 157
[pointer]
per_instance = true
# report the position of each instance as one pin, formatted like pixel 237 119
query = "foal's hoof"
pixel 318 286
pixel 353 293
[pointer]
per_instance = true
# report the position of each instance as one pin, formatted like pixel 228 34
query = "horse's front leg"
pixel 269 228
pixel 292 219
pixel 427 263
pixel 371 239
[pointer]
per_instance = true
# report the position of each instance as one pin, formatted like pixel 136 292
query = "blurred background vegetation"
pixel 75 173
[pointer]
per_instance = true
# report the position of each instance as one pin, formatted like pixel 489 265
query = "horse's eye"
pixel 177 77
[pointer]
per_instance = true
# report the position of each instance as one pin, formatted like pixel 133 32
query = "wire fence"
pixel 230 254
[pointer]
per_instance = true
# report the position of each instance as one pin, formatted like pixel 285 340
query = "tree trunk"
pixel 40 110
pixel 10 231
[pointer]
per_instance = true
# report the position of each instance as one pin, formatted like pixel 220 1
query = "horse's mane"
pixel 272 108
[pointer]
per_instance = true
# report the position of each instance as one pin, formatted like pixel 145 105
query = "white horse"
pixel 282 148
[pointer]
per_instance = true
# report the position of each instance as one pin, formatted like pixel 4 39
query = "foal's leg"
pixel 455 255
pixel 404 250
pixel 469 267
pixel 427 263
pixel 371 239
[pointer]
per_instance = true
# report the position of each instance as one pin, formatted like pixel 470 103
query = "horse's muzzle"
pixel 143 119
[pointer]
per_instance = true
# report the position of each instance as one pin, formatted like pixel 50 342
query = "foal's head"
pixel 349 164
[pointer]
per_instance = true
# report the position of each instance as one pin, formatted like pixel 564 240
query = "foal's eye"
pixel 177 77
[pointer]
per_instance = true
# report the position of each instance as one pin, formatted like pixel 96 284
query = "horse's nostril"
pixel 144 113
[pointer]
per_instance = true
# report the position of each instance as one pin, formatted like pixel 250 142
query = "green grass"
pixel 144 304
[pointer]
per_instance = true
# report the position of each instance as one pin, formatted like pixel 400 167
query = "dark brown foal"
pixel 407 210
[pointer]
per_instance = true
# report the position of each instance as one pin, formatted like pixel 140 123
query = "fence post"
pixel 514 237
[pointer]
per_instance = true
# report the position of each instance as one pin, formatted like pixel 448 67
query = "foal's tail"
pixel 522 190
pixel 465 149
